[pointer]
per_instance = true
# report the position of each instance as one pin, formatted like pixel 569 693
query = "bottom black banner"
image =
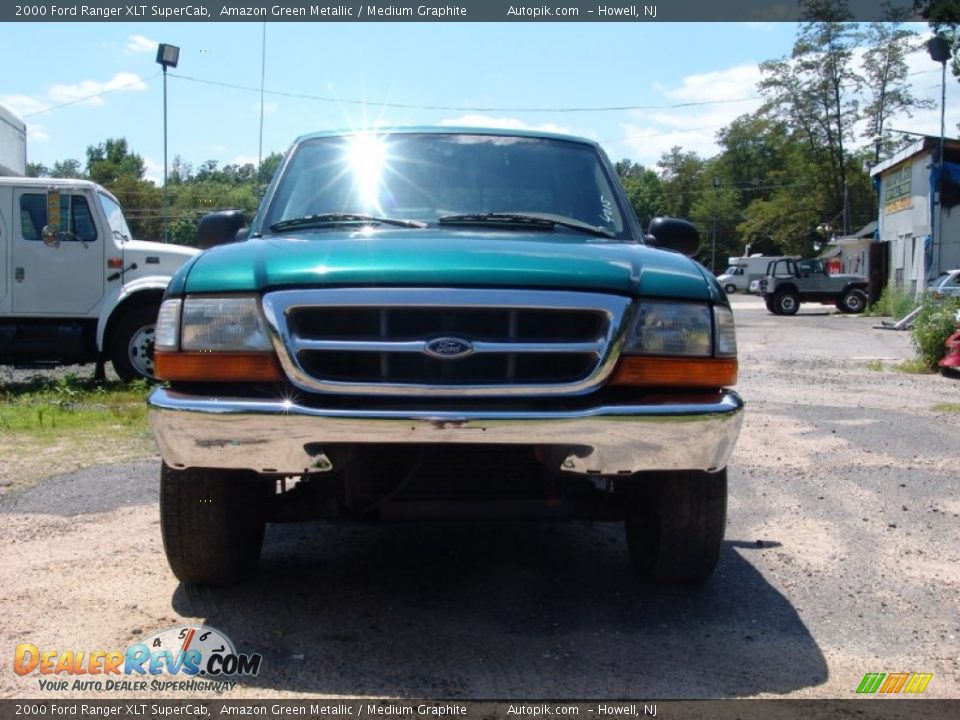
pixel 354 708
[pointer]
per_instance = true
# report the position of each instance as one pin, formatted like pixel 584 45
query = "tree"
pixel 944 18
pixel 682 179
pixel 885 79
pixel 814 92
pixel 112 159
pixel 644 190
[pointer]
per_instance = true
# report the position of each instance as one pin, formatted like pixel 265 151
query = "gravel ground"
pixel 842 558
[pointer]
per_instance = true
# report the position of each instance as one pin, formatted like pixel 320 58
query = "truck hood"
pixel 441 257
pixel 164 250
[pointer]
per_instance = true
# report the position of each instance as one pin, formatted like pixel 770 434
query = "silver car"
pixel 946 283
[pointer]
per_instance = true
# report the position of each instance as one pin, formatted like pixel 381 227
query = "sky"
pixel 522 75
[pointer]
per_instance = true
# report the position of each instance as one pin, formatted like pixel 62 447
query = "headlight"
pixel 222 324
pixel 204 339
pixel 725 336
pixel 671 328
pixel 167 335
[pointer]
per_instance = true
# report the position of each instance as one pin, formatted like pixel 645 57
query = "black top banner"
pixel 648 11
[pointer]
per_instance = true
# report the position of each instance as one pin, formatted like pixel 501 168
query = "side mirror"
pixel 674 234
pixel 219 227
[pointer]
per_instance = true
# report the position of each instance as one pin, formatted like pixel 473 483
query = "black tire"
pixel 675 526
pixel 853 301
pixel 730 289
pixel 787 302
pixel 131 344
pixel 212 523
pixel 771 306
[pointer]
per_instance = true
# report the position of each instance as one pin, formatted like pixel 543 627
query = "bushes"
pixel 935 322
pixel 894 302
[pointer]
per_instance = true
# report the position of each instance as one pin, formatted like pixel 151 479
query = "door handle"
pixel 18 274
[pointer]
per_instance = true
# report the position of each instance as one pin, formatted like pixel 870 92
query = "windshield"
pixel 427 176
pixel 115 218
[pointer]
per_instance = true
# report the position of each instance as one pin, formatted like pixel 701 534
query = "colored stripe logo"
pixel 894 683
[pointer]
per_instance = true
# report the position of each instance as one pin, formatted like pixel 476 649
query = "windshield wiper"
pixel 333 219
pixel 525 220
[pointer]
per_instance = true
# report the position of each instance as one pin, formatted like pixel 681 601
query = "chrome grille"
pixel 391 341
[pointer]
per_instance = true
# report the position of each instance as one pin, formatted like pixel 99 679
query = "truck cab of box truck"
pixel 75 287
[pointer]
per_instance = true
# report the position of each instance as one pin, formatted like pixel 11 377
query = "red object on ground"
pixel 952 358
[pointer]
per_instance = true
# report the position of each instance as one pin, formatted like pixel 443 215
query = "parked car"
pixel 946 283
pixel 75 287
pixel 445 323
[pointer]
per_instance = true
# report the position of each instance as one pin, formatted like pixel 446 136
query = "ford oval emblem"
pixel 448 348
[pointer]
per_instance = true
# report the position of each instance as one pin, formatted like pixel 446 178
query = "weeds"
pixel 41 406
pixel 875 366
pixel 894 302
pixel 914 366
pixel 946 407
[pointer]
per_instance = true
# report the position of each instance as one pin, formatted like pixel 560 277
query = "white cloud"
pixel 90 89
pixel 22 105
pixel 505 123
pixel 37 133
pixel 139 44
pixel 652 133
pixel 153 170
pixel 734 83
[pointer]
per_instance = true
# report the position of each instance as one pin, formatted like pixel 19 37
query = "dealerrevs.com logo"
pixel 189 658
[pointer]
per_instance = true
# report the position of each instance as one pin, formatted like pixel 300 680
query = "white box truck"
pixel 741 271
pixel 13 144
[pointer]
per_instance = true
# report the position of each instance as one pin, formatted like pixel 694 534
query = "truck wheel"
pixel 131 350
pixel 675 532
pixel 853 301
pixel 212 523
pixel 771 305
pixel 730 289
pixel 786 302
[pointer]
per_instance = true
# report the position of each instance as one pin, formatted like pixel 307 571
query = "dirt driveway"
pixel 842 558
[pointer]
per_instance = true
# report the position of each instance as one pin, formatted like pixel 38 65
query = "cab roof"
pixel 447 130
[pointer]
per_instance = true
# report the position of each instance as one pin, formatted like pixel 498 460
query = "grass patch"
pixel 875 366
pixel 914 366
pixel 53 426
pixel 42 407
pixel 946 407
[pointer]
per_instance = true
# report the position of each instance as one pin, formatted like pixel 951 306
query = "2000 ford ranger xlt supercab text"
pixel 439 323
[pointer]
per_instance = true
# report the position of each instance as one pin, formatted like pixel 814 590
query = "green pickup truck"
pixel 439 323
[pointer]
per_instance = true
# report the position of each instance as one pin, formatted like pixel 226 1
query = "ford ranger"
pixel 439 323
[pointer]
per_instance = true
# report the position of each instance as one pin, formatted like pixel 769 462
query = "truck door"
pixel 68 280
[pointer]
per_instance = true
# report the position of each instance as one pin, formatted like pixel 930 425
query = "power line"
pixel 138 81
pixel 458 108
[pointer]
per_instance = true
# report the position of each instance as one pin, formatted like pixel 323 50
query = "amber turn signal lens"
pixel 675 372
pixel 217 367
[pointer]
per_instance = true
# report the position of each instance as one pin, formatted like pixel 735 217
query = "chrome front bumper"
pixel 275 436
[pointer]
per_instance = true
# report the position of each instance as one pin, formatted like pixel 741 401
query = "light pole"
pixel 167 56
pixel 939 49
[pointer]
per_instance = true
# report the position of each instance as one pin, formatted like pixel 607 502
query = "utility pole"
pixel 713 244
